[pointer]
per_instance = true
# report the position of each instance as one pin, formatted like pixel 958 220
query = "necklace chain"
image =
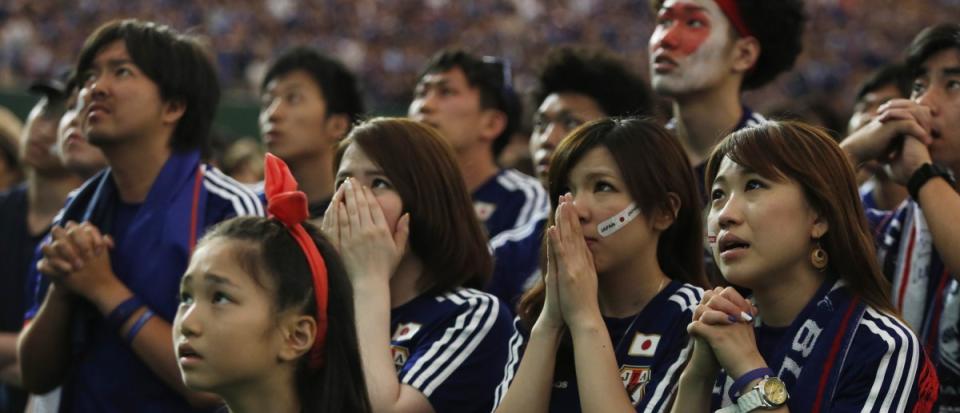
pixel 616 349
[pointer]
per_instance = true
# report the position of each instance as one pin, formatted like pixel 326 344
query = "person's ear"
pixel 173 110
pixel 337 125
pixel 746 52
pixel 820 227
pixel 666 215
pixel 298 334
pixel 493 122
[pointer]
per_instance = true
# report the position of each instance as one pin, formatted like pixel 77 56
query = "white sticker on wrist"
pixel 614 223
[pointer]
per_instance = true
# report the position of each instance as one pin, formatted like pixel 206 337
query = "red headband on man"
pixel 289 206
pixel 730 9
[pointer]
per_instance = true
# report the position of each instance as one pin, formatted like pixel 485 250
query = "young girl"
pixel 785 221
pixel 624 266
pixel 266 313
pixel 411 242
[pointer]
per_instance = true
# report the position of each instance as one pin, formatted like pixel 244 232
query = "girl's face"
pixel 763 228
pixel 225 332
pixel 600 193
pixel 357 165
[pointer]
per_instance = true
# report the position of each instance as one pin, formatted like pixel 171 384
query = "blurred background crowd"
pixel 387 41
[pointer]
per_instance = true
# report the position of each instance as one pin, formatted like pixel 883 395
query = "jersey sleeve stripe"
pixel 528 198
pixel 534 204
pixel 222 184
pixel 453 342
pixel 513 360
pixel 238 206
pixel 909 354
pixel 899 354
pixel 516 234
pixel 250 199
pixel 464 345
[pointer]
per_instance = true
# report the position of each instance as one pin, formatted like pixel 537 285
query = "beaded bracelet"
pixel 142 321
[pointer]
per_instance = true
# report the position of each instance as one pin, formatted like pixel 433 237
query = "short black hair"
pixel 176 62
pixel 338 84
pixel 889 74
pixel 929 42
pixel 605 78
pixel 778 26
pixel 491 77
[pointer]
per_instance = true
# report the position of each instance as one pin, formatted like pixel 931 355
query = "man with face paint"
pixel 26 212
pixel 704 53
pixel 918 244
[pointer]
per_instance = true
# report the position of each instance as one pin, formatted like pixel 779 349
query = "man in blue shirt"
pixel 100 321
pixel 919 242
pixel 471 101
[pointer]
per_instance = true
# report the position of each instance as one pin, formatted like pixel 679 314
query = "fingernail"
pixel 732 319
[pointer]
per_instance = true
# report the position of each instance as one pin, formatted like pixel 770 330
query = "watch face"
pixel 774 391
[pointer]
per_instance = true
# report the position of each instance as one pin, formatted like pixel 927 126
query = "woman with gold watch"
pixel 818 332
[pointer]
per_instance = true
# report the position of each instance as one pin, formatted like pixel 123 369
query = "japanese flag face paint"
pixel 688 48
pixel 618 221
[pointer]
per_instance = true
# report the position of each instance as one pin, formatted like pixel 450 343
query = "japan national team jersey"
pixel 651 349
pixel 923 290
pixel 842 355
pixel 452 348
pixel 513 208
pixel 152 251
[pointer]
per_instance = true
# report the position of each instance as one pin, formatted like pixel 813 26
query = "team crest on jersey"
pixel 644 345
pixel 400 356
pixel 484 210
pixel 405 331
pixel 635 379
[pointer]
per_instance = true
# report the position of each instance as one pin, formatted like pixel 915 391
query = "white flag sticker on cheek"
pixel 614 223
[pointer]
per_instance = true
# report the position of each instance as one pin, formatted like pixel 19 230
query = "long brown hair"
pixel 444 231
pixel 653 166
pixel 805 154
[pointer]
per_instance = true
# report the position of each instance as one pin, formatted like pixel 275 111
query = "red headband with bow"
pixel 289 206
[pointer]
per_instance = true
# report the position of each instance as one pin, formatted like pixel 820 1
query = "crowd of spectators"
pixel 387 41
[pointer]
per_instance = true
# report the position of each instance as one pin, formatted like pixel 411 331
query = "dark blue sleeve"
pixel 36 285
pixel 516 260
pixel 886 370
pixel 459 365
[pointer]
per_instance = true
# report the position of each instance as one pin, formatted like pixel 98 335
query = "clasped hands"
pixel 78 258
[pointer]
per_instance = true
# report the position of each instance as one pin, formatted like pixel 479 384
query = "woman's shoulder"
pixel 462 303
pixel 886 364
pixel 683 298
pixel 881 334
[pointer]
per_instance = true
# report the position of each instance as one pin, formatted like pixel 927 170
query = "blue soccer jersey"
pixel 452 348
pixel 513 208
pixel 841 355
pixel 651 349
pixel 924 291
pixel 152 251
